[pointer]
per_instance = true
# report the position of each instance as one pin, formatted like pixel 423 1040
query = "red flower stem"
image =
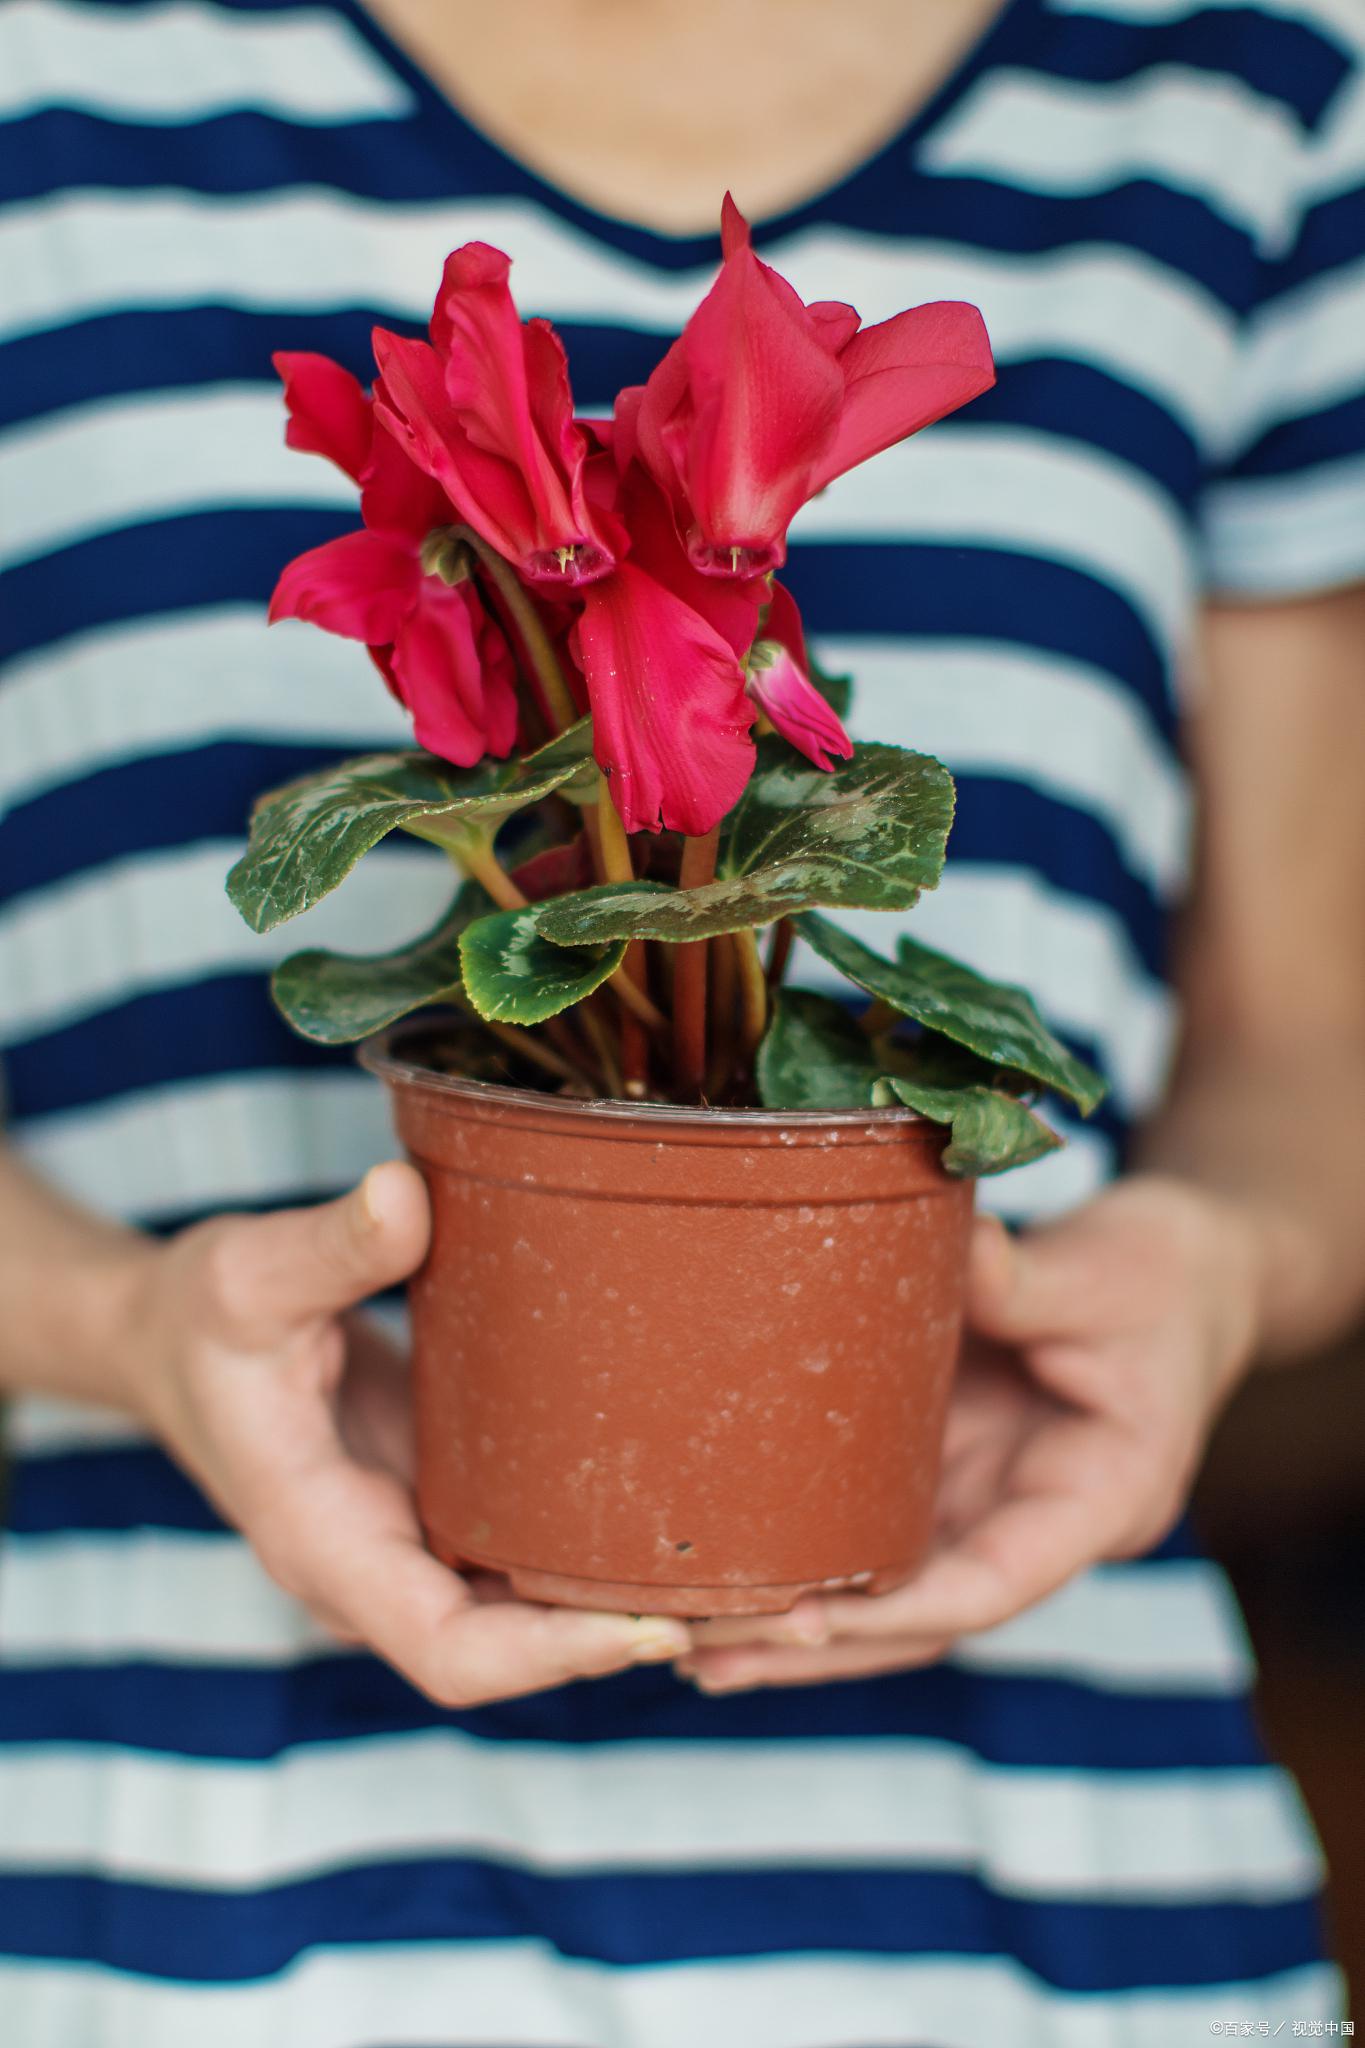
pixel 539 648
pixel 784 931
pixel 879 1016
pixel 689 976
pixel 753 994
pixel 723 976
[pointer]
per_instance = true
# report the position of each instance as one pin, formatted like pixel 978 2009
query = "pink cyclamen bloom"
pixel 764 400
pixel 485 408
pixel 779 683
pixel 436 647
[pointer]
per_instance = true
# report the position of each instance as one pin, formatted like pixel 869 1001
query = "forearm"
pixel 68 1280
pixel 1279 1139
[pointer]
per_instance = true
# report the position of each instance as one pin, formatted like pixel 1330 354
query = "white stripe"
pixel 504 1995
pixel 1127 314
pixel 1340 19
pixel 156 919
pixel 120 461
pixel 987 708
pixel 1031 493
pixel 1193 131
pixel 1037 1834
pixel 1338 160
pixel 200 1145
pixel 36 1426
pixel 1074 956
pixel 186 62
pixel 192 1597
pixel 1281 536
pixel 142 687
pixel 1303 354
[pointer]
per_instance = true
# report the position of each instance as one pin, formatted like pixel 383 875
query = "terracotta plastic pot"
pixel 677 1361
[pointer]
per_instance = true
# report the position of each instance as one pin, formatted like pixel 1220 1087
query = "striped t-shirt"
pixel 215 1826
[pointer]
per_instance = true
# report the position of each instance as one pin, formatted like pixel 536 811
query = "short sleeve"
pixel 1283 514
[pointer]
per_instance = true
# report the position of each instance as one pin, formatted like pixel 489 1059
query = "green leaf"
pixel 815 1056
pixel 514 976
pixel 306 837
pixel 337 998
pixel 991 1130
pixel 869 836
pixel 997 1022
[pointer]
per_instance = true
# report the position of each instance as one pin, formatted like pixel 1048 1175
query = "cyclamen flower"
pixel 764 400
pixel 779 683
pixel 485 408
pixel 436 647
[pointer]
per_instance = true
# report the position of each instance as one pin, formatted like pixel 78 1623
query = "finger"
pixel 737 1670
pixel 1017 1554
pixel 1024 1288
pixel 351 1538
pixel 802 1627
pixel 274 1272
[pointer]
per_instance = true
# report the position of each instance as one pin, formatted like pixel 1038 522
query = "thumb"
pixel 299 1263
pixel 1019 1288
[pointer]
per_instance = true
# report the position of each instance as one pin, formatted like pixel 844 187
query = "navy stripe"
pixel 250 1713
pixel 646 1917
pixel 1284 60
pixel 118 354
pixel 882 589
pixel 242 154
pixel 1299 444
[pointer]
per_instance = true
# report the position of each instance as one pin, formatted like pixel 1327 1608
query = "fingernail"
pixel 369 1215
pixel 657 1643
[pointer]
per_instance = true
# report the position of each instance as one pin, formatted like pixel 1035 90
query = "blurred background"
pixel 1282 1505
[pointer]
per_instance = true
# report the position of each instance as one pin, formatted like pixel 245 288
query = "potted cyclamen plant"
pixel 684 1336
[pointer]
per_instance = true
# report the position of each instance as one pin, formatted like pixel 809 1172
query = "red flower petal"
pixel 361 586
pixel 739 412
pixel 670 715
pixel 730 604
pixel 779 682
pixel 904 374
pixel 439 675
pixel 329 413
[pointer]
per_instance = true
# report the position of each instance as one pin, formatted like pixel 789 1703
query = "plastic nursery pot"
pixel 677 1361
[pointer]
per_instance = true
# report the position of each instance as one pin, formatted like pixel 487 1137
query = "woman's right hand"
pixel 233 1349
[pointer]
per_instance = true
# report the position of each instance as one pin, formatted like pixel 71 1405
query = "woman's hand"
pixel 1099 1351
pixel 237 1352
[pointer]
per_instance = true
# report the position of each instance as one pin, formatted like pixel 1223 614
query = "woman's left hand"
pixel 1098 1352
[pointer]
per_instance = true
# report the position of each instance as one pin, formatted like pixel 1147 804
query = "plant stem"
pixel 482 865
pixel 784 931
pixel 559 703
pixel 689 976
pixel 527 1046
pixel 600 1039
pixel 753 994
pixel 879 1016
pixel 612 858
pixel 721 970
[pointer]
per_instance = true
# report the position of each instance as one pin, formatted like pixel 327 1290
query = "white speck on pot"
pixel 791 1288
pixel 827 1244
pixel 818 1361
